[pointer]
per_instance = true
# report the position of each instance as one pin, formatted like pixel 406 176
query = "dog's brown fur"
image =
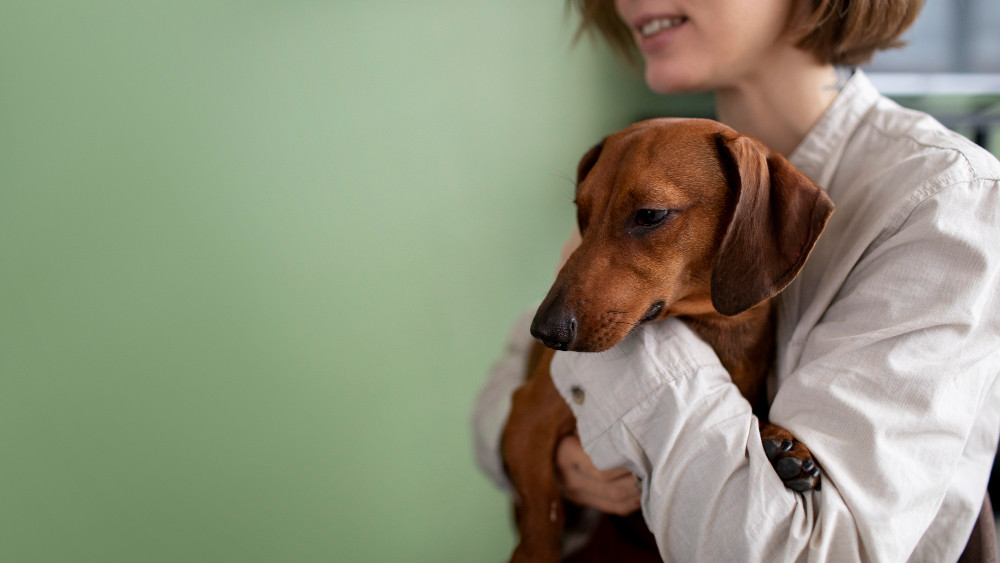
pixel 742 224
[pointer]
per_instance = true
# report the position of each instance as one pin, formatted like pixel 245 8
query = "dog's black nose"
pixel 555 328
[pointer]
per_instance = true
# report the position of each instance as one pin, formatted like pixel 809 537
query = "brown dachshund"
pixel 679 217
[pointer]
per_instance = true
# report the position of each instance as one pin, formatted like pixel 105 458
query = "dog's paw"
pixel 790 458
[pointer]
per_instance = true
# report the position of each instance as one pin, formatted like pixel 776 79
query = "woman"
pixel 888 341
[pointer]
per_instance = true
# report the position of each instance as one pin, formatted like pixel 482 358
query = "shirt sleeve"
pixel 492 405
pixel 889 387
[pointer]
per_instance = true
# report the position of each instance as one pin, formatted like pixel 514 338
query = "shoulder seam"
pixel 965 158
pixel 885 235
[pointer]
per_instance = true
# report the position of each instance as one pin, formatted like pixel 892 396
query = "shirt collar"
pixel 818 155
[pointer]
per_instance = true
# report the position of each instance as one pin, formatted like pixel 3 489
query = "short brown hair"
pixel 843 32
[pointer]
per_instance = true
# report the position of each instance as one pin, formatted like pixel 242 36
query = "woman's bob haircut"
pixel 840 32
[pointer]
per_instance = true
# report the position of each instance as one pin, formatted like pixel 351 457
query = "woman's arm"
pixel 895 395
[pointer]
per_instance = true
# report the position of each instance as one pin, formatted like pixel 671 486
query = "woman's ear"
pixel 778 216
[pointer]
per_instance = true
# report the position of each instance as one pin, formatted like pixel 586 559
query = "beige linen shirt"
pixel 887 368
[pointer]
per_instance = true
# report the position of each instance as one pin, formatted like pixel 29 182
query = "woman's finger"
pixel 571 458
pixel 623 489
pixel 615 473
pixel 621 507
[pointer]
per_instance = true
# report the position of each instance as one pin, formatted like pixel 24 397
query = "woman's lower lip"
pixel 657 42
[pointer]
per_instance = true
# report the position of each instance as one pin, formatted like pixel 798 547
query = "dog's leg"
pixel 539 417
pixel 791 459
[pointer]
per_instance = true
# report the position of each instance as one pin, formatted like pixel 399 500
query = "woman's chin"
pixel 673 81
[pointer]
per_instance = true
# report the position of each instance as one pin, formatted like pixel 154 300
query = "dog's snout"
pixel 554 328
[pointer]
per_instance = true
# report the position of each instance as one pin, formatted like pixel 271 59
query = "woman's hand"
pixel 615 491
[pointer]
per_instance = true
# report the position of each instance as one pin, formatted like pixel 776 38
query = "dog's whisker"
pixel 563 176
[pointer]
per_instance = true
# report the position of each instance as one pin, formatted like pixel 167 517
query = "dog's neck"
pixel 744 344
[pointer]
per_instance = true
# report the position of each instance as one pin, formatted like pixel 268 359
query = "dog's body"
pixel 682 218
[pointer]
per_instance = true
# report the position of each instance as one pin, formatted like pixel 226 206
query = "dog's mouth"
pixel 654 311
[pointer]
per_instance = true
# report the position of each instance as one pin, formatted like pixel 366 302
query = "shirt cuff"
pixel 601 388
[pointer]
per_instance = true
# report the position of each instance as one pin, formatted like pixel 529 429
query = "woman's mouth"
pixel 655 33
pixel 652 26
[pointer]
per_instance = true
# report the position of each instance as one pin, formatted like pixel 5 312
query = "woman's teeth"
pixel 652 27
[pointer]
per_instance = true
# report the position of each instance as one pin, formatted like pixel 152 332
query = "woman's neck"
pixel 782 102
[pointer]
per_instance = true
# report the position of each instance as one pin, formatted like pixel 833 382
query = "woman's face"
pixel 695 45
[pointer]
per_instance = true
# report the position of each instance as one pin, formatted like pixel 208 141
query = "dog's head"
pixel 678 217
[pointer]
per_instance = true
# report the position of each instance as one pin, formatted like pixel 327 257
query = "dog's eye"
pixel 652 217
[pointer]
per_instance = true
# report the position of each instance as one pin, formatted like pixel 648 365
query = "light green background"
pixel 256 259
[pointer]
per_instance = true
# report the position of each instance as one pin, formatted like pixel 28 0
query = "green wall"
pixel 256 258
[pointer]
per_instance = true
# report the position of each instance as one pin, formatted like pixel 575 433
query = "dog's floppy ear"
pixel 778 216
pixel 588 161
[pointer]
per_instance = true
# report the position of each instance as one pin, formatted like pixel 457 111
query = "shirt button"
pixel 578 394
